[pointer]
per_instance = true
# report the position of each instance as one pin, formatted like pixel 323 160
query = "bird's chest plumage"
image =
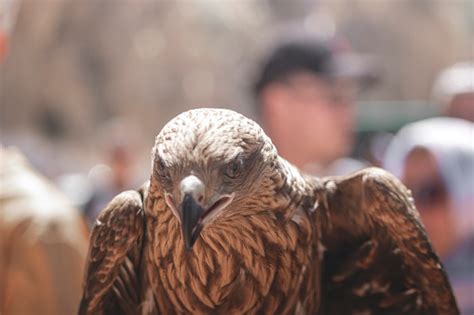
pixel 232 268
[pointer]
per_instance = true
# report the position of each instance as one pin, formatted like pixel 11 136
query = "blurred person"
pixel 43 239
pixel 454 91
pixel 305 96
pixel 118 140
pixel 109 179
pixel 43 243
pixel 435 160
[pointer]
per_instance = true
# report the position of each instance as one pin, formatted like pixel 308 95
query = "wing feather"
pixel 377 259
pixel 112 279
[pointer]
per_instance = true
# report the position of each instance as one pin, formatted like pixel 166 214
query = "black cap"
pixel 325 59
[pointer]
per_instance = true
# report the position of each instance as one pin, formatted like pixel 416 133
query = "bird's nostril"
pixel 200 199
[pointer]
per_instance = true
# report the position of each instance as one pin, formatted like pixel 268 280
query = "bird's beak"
pixel 191 213
pixel 192 210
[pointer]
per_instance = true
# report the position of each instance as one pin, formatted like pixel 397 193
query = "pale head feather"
pixel 205 142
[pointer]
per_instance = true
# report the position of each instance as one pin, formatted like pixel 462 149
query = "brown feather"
pixel 111 278
pixel 288 243
pixel 378 257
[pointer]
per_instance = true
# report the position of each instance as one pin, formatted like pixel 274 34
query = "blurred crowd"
pixel 304 93
pixel 306 97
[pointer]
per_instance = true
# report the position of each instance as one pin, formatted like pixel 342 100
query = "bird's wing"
pixel 377 258
pixel 112 279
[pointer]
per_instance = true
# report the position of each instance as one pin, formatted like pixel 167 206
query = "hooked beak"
pixel 192 212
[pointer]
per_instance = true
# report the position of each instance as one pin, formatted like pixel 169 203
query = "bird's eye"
pixel 234 169
pixel 161 170
pixel 161 165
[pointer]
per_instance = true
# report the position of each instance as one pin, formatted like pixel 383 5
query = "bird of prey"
pixel 227 226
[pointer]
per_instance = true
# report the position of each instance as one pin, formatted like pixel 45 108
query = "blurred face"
pixel 462 106
pixel 310 119
pixel 421 175
pixel 120 161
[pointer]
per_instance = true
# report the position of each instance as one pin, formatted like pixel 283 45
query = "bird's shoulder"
pixel 368 194
pixel 123 216
pixel 115 254
pixel 376 255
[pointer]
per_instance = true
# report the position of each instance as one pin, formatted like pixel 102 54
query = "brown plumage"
pixel 226 226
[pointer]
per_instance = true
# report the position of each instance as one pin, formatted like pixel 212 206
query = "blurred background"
pixel 85 86
pixel 74 68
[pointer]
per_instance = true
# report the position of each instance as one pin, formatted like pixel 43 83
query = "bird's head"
pixel 211 165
